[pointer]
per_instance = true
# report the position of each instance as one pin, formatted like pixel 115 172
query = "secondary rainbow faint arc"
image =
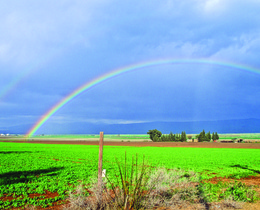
pixel 129 68
pixel 21 77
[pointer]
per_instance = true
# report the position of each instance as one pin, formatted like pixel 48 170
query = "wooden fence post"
pixel 101 138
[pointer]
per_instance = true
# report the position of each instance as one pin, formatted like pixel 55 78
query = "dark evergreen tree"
pixel 171 137
pixel 177 137
pixel 156 138
pixel 213 136
pixel 154 132
pixel 216 136
pixel 164 138
pixel 201 136
pixel 203 133
pixel 208 136
pixel 183 136
pixel 174 137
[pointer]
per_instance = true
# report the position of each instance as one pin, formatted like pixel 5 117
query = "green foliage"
pixel 173 137
pixel 156 138
pixel 208 136
pixel 153 133
pixel 236 191
pixel 164 138
pixel 177 137
pixel 202 136
pixel 213 136
pixel 30 168
pixel 216 136
pixel 183 136
pixel 241 192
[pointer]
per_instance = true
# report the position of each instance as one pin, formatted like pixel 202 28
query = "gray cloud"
pixel 54 47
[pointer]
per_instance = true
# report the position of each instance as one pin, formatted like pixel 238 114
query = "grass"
pixel 237 191
pixel 26 169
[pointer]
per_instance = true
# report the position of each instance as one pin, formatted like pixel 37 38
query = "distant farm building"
pixel 239 141
pixel 192 140
pixel 226 141
pixel 232 141
pixel 252 140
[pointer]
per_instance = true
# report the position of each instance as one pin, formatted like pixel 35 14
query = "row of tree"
pixel 174 137
pixel 203 136
pixel 157 136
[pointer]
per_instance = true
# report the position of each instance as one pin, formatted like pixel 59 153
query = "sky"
pixel 48 49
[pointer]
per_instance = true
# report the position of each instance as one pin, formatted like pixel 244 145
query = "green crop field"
pixel 240 136
pixel 255 137
pixel 80 137
pixel 140 136
pixel 40 169
pixel 94 137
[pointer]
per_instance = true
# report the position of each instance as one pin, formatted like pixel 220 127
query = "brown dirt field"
pixel 153 144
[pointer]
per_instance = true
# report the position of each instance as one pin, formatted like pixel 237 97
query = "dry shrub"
pixel 30 207
pixel 162 188
pixel 143 188
pixel 173 189
pixel 129 188
pixel 225 204
pixel 230 203
pixel 78 201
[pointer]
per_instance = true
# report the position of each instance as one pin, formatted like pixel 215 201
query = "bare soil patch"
pixel 250 180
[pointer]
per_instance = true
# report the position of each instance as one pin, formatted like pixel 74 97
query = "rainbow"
pixel 126 69
pixel 13 84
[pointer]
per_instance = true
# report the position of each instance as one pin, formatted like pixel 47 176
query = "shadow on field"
pixel 245 167
pixel 26 176
pixel 16 152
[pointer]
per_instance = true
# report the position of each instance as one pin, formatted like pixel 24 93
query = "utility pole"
pixel 100 159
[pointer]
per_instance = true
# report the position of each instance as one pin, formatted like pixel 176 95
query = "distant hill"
pixel 220 126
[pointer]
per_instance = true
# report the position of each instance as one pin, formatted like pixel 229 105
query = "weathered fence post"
pixel 101 138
